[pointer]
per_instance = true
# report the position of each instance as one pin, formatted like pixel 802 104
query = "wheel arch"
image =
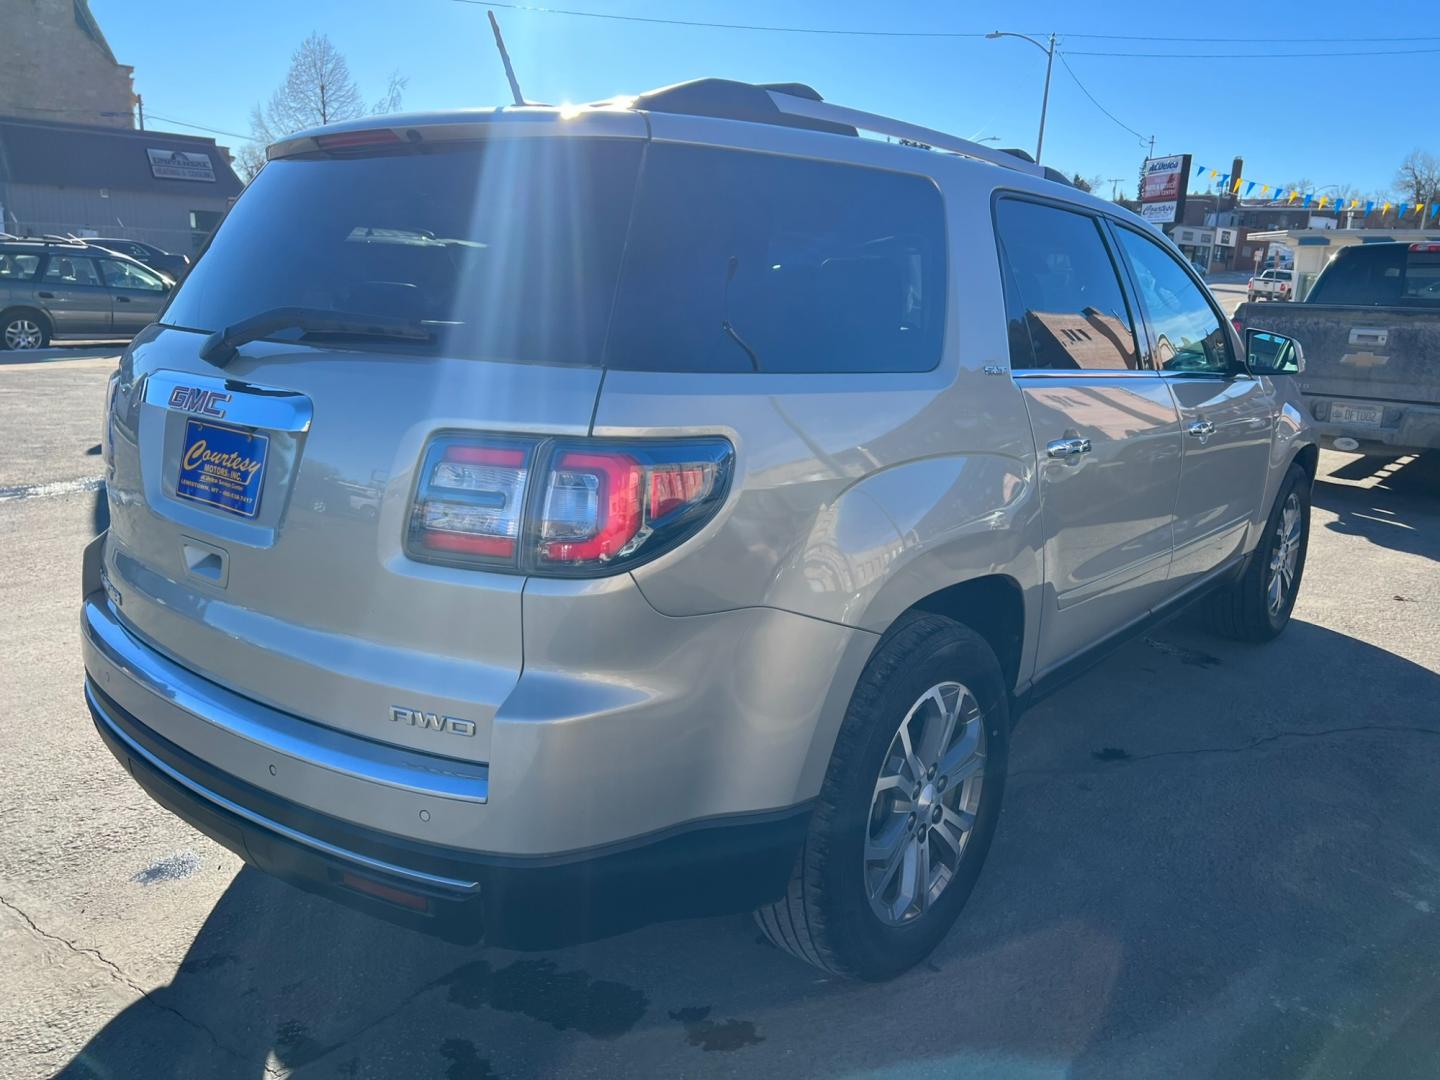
pixel 1308 458
pixel 993 605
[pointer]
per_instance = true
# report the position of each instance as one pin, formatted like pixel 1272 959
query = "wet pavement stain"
pixel 1110 753
pixel 295 1045
pixel 540 990
pixel 171 868
pixel 465 1063
pixel 1193 657
pixel 710 1035
pixel 196 965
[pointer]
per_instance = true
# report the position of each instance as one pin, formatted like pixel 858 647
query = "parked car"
pixel 726 504
pixel 52 289
pixel 1272 285
pixel 171 264
pixel 1371 333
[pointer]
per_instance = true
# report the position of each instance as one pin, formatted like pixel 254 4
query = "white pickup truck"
pixel 1272 285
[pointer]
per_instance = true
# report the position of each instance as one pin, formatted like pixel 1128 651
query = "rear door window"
pixel 1064 304
pixel 71 270
pixel 741 261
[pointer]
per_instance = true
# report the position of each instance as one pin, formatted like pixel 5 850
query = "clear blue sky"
pixel 1335 119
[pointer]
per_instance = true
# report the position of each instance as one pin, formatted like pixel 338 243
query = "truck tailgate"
pixel 1377 353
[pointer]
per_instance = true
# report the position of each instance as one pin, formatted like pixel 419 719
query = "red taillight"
pixel 592 507
pixel 350 140
pixel 674 486
pixel 1239 326
pixel 600 504
pixel 1425 247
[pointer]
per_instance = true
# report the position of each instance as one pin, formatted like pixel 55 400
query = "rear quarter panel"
pixel 855 495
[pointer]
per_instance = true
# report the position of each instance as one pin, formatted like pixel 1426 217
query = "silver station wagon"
pixel 533 522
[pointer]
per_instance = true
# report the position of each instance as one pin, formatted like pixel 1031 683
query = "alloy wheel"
pixel 1285 556
pixel 22 334
pixel 922 810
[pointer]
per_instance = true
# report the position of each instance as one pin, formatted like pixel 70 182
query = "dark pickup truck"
pixel 1370 331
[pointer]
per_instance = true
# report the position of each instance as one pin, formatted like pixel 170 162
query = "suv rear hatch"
pixel 259 512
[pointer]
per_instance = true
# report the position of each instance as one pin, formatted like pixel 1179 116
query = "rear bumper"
pixel 1405 426
pixel 706 868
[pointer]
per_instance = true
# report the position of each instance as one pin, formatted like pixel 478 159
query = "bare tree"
pixel 318 89
pixel 1418 178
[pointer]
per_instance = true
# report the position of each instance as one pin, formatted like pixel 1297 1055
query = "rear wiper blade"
pixel 220 347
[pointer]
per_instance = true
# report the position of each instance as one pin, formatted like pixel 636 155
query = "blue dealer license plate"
pixel 222 466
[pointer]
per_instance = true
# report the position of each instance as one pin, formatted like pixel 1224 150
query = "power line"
pixel 1097 104
pixel 1257 56
pixel 1255 41
pixel 724 26
pixel 197 127
pixel 952 34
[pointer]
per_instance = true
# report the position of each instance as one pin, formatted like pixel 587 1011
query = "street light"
pixel 1049 63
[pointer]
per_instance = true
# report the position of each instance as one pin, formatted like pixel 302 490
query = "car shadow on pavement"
pixel 1215 860
pixel 1400 510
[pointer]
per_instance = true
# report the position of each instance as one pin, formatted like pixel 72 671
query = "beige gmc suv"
pixel 531 522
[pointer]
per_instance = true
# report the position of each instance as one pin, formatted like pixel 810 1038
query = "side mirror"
pixel 1270 353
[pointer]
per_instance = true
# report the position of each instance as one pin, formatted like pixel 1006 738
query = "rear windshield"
pixel 543 251
pixel 508 250
pixel 1380 276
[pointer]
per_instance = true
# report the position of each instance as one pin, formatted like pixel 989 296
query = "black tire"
pixel 826 918
pixel 14 315
pixel 1241 610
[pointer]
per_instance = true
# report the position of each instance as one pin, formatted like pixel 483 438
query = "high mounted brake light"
pixel 352 140
pixel 594 505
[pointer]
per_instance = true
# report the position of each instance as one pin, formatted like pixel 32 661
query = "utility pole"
pixel 140 103
pixel 1049 66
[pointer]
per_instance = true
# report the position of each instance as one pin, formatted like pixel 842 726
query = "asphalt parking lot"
pixel 1214 861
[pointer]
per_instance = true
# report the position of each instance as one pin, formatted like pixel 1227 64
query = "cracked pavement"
pixel 1215 860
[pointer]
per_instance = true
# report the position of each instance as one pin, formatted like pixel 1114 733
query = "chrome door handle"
pixel 1064 448
pixel 1202 429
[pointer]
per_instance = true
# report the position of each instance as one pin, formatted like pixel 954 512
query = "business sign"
pixel 1162 191
pixel 178 165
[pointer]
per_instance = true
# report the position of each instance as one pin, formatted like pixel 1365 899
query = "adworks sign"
pixel 1162 192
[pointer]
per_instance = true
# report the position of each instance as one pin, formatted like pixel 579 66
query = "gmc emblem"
pixel 430 721
pixel 194 399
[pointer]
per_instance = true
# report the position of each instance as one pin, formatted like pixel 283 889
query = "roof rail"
pixel 826 113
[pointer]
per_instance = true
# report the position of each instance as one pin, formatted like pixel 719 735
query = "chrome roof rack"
pixel 825 112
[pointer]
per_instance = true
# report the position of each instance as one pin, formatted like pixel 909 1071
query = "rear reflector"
pixel 388 893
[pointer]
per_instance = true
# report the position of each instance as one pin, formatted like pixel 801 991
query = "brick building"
pixel 71 158
pixel 57 65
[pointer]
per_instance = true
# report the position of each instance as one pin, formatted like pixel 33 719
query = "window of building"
pixel 1064 305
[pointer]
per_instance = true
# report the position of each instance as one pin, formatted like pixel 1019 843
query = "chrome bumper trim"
pixel 277 732
pixel 132 747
